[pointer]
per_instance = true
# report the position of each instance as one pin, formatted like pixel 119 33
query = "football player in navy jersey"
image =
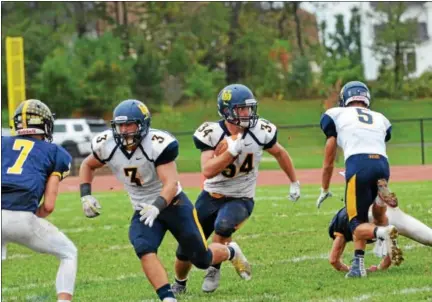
pixel 32 168
pixel 408 226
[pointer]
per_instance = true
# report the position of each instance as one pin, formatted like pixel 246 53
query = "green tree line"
pixel 86 56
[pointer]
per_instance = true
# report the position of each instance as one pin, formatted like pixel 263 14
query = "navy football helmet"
pixel 354 91
pixel 130 111
pixel 33 117
pixel 232 99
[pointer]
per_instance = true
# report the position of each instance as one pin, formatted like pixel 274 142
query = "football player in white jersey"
pixel 143 159
pixel 229 189
pixel 362 134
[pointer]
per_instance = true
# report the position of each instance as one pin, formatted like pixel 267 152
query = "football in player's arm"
pixel 231 151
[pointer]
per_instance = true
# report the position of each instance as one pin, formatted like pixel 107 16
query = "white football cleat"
pixel 390 234
pixel 240 262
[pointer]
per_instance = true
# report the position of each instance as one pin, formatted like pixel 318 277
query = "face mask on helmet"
pixel 245 116
pixel 127 133
pixel 33 117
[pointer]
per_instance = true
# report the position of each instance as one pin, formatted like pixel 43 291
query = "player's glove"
pixel 235 146
pixel 323 196
pixel 90 206
pixel 294 193
pixel 150 212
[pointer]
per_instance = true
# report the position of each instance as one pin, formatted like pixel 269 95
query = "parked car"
pixel 75 135
pixel 5 132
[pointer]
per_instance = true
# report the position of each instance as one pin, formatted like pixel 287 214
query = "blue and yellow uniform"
pixel 340 227
pixel 26 165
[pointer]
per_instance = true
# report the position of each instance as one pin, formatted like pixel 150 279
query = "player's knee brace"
pixel 202 261
pixel 224 227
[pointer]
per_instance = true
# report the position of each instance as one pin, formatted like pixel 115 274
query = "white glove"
pixel 148 214
pixel 235 146
pixel 294 193
pixel 323 196
pixel 90 206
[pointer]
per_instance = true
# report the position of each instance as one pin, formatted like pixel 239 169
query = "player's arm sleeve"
pixel 271 139
pixel 168 155
pixel 266 133
pixel 206 136
pixel 388 127
pixel 388 134
pixel 98 146
pixel 328 126
pixel 201 145
pixel 62 164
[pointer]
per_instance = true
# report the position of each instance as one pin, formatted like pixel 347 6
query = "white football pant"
pixel 38 234
pixel 407 225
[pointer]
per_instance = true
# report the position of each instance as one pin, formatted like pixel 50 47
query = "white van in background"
pixel 75 135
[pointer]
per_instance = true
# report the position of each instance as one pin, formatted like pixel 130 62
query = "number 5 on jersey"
pixel 364 117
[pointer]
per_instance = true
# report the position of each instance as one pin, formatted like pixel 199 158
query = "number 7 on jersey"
pixel 25 146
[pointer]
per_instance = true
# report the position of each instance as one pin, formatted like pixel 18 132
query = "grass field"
pixel 287 244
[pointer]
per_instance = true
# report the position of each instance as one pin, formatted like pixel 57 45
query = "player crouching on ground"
pixel 143 159
pixel 408 226
pixel 231 151
pixel 362 134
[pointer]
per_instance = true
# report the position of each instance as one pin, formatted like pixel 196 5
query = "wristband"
pixel 85 189
pixel 160 203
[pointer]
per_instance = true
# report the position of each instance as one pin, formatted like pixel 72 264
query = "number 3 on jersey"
pixel 25 146
pixel 364 117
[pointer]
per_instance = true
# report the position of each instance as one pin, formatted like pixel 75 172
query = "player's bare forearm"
pixel 328 164
pixel 284 160
pixel 385 263
pixel 336 254
pixel 169 177
pixel 50 196
pixel 212 166
pixel 340 266
pixel 87 168
pixel 42 212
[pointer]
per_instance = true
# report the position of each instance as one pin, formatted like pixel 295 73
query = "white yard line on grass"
pixel 367 297
pixel 93 279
